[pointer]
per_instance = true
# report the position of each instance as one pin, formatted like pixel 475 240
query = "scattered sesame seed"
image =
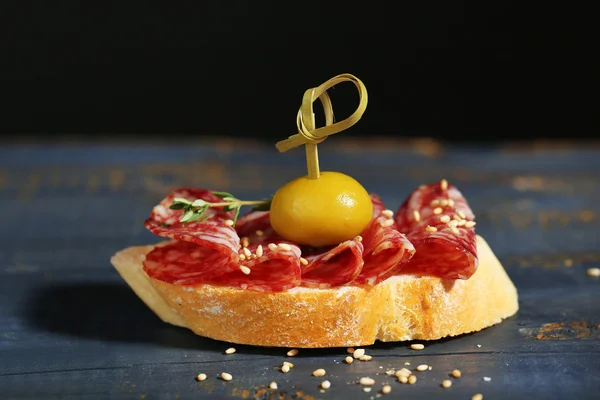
pixel 386 389
pixel 422 367
pixel 470 224
pixel 437 210
pixel 226 377
pixel 446 383
pixel 201 377
pixel 245 270
pixel 303 261
pixel 478 345
pixel 416 215
pixel 367 389
pixel 259 250
pixel 228 222
pixel 319 372
pixel 444 184
pixel 242 257
pixel 358 353
pixel 293 352
pixel 272 246
pixel 451 202
pixel 412 379
pixel 245 242
pixel 230 350
pixel 445 218
pixel 366 358
pixel 404 372
pixel 454 230
pixel 349 360
pixel 431 228
pixel 406 363
pixel 462 222
pixel 390 372
pixel 403 379
pixel 478 396
pixel 487 378
pixel 259 233
pixel 284 246
pixel 461 214
pixel 273 385
pixel 456 217
pixel 443 202
pixel 350 350
pixel 366 381
pixel 325 384
pixel 247 252
pixel 417 346
pixel 285 368
pixel 387 222
pixel 387 213
pixel 289 364
pixel 359 238
pixel 453 223
pixel 456 373
pixel 434 202
pixel 430 368
pixel 595 272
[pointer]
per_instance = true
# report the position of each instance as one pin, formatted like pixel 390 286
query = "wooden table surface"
pixel 71 328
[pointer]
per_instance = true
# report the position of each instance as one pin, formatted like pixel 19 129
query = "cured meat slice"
pixel 335 267
pixel 185 263
pixel 385 249
pixel 271 271
pixel 211 233
pixel 447 248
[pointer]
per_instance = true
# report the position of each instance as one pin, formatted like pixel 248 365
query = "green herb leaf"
pixel 196 216
pixel 177 206
pixel 225 194
pixel 199 203
pixel 187 216
pixel 181 200
pixel 237 214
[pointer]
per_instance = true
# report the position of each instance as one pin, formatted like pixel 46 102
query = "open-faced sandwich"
pixel 323 263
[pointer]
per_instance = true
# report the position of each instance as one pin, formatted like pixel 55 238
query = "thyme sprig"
pixel 195 210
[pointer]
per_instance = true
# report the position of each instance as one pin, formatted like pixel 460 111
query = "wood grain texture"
pixel 71 328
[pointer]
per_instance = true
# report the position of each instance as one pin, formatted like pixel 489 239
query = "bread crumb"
pixel 226 377
pixel 273 385
pixel 416 346
pixel 201 377
pixel 366 381
pixel 446 383
pixel 358 353
pixel 325 384
pixel 478 396
pixel 293 352
pixel 487 378
pixel 319 372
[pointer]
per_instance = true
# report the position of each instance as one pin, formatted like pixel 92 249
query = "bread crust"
pixel 401 308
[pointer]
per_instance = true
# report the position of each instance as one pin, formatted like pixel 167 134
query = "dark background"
pixel 448 70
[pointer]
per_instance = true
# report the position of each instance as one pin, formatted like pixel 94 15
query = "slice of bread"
pixel 401 308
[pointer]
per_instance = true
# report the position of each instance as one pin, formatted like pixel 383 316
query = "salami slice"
pixel 335 267
pixel 384 247
pixel 446 249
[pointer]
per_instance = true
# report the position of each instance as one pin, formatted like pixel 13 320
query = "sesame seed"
pixel 416 215
pixel 446 383
pixel 259 233
pixel 430 368
pixel 319 372
pixel 367 389
pixel 245 270
pixel 470 224
pixel 284 246
pixel 404 372
pixel 366 381
pixel 437 210
pixel 358 353
pixel 453 223
pixel 431 228
pixel 403 379
pixel 272 246
pixel 325 384
pixel 487 378
pixel 456 373
pixel 359 238
pixel 434 202
pixel 412 379
pixel 443 202
pixel 228 222
pixel 444 184
pixel 387 222
pixel 461 214
pixel 254 256
pixel 273 385
pixel 259 250
pixel 289 364
pixel 456 217
pixel 242 257
pixel 247 252
pixel 226 377
pixel 366 358
pixel 445 218
pixel 285 368
pixel 386 389
pixel 349 360
pixel 230 350
pixel 201 377
pixel 478 396
pixel 451 202
pixel 390 372
pixel 293 352
pixel 595 272
pixel 462 222
pixel 454 230
pixel 422 367
pixel 417 346
pixel 245 242
pixel 387 213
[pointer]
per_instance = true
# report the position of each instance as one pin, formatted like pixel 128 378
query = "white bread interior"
pixel 401 308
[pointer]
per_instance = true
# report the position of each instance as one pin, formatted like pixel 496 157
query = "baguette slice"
pixel 401 308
